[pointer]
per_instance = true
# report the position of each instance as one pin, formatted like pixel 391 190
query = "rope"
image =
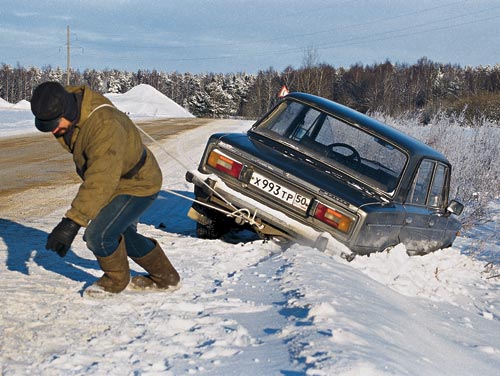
pixel 243 213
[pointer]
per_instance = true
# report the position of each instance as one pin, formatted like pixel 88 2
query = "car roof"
pixel 415 147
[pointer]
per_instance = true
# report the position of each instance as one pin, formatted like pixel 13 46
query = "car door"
pixel 437 202
pixel 425 216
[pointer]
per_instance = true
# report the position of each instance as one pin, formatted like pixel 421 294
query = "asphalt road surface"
pixel 38 160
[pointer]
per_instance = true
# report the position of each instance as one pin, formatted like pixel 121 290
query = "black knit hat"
pixel 50 102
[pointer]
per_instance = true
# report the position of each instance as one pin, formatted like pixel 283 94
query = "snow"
pixel 245 307
pixel 140 103
pixel 145 101
pixel 4 103
pixel 22 105
pixel 14 122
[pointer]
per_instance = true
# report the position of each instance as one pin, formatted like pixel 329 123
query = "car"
pixel 312 169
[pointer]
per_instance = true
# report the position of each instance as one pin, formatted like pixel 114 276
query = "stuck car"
pixel 312 168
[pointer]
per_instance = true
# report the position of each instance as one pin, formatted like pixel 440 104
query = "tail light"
pixel 222 162
pixel 332 218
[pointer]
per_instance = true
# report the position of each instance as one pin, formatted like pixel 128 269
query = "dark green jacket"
pixel 106 146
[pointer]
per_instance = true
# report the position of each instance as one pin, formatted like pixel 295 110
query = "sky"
pixel 226 36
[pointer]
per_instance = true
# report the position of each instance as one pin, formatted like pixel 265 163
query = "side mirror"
pixel 455 207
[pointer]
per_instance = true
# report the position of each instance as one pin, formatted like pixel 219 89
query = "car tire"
pixel 212 230
pixel 214 226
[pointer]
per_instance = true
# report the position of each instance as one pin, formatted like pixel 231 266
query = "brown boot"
pixel 162 275
pixel 116 272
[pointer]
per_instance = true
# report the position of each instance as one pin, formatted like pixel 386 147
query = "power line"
pixel 357 40
pixel 292 36
pixel 323 46
pixel 379 36
pixel 243 48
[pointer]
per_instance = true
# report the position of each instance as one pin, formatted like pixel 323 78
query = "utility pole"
pixel 67 53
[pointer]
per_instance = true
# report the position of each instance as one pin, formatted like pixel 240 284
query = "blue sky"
pixel 246 36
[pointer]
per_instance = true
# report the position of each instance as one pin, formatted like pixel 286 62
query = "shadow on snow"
pixel 25 243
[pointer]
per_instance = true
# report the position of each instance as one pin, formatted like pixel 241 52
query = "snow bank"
pixel 140 103
pixel 144 100
pixel 22 105
pixel 15 122
pixel 4 103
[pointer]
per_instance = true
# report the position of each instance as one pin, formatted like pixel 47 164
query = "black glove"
pixel 62 236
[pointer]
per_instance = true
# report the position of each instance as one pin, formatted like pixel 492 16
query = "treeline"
pixel 422 89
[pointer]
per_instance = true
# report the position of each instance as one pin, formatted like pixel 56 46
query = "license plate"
pixel 277 190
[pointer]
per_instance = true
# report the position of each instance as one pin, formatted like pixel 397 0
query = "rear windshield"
pixel 370 159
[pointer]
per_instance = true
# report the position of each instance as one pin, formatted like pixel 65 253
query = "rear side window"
pixel 429 185
pixel 437 196
pixel 420 186
pixel 280 119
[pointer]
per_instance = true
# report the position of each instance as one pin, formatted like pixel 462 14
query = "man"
pixel 121 179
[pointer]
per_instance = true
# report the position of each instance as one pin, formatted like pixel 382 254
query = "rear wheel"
pixel 213 225
pixel 212 230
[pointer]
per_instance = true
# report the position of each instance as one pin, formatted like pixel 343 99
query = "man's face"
pixel 62 127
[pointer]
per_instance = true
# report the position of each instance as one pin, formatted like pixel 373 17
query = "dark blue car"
pixel 312 169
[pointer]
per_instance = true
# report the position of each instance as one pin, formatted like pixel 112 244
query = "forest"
pixel 421 90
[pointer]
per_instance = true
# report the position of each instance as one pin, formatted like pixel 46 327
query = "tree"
pixel 424 89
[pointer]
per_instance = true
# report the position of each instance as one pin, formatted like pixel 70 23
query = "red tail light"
pixel 223 163
pixel 333 218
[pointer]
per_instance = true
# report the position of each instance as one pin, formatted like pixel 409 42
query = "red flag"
pixel 283 92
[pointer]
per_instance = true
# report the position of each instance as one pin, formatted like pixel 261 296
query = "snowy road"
pixel 246 307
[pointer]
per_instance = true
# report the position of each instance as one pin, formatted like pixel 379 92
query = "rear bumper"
pixel 267 221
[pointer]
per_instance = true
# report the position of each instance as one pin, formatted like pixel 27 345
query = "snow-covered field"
pixel 246 307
